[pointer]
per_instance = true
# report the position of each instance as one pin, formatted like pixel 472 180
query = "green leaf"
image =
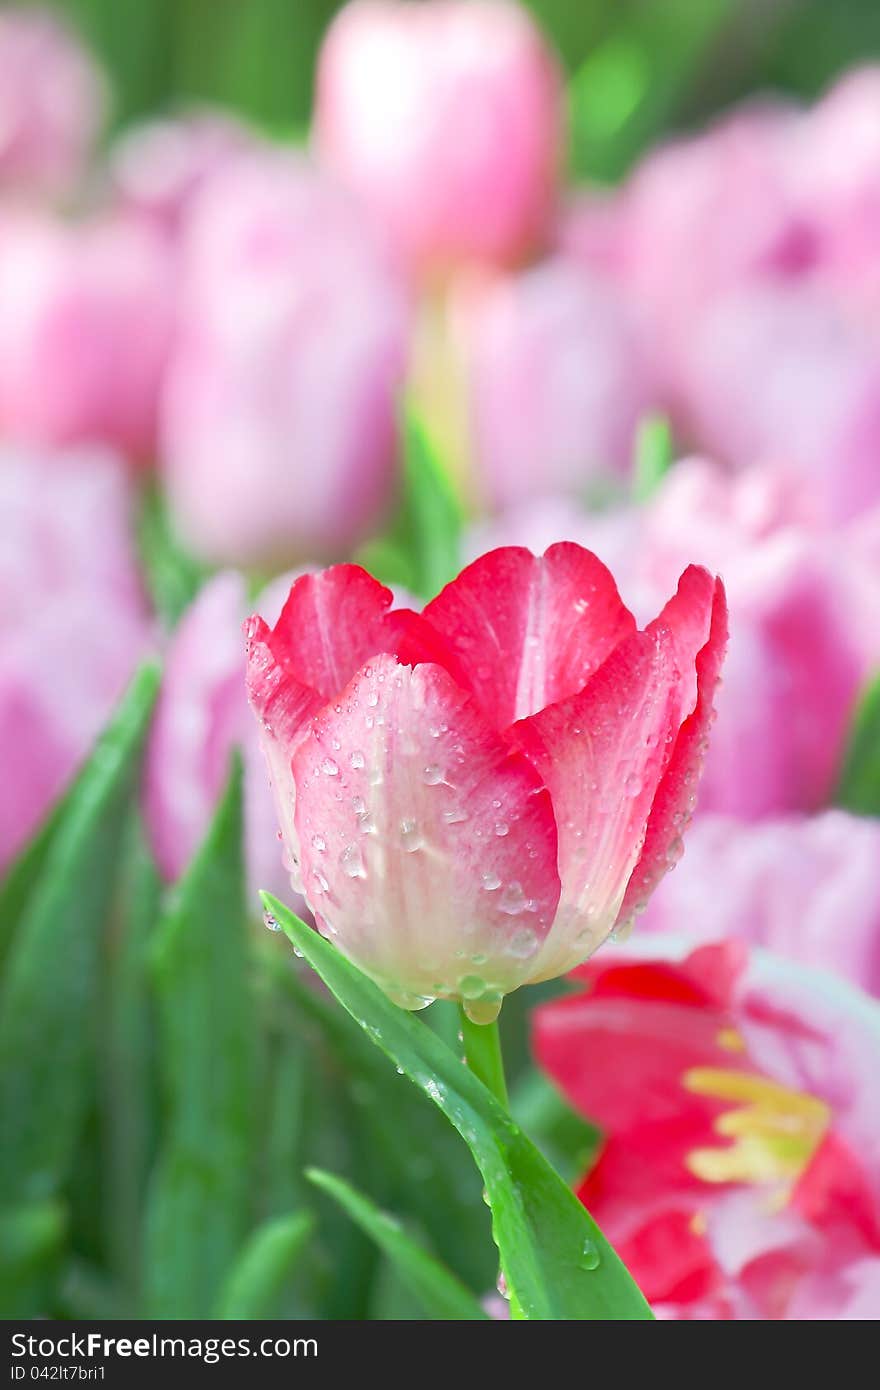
pixel 565 1139
pixel 50 990
pixel 173 576
pixel 557 1263
pixel 31 1239
pixel 264 1267
pixel 654 454
pixel 200 1196
pixel 859 787
pixel 25 872
pixel 128 1061
pixel 443 1296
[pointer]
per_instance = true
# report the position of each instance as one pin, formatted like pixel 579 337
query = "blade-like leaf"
pixel 859 786
pixel 557 1263
pixel 431 517
pixel 258 1277
pixel 443 1296
pixel 25 872
pixel 173 576
pixel 200 1196
pixel 31 1240
pixel 50 989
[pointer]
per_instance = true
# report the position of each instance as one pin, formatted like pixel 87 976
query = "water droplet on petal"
pixel 432 775
pixel 319 843
pixel 330 767
pixel 351 862
pixel 491 881
pixel 513 900
pixel 357 760
pixel 411 836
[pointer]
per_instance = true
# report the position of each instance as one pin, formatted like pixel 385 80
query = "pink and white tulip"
pixel 806 887
pixel 557 381
pixel 52 100
pixel 475 796
pixel 447 119
pixel 280 403
pixel 200 717
pixel 73 621
pixel 86 321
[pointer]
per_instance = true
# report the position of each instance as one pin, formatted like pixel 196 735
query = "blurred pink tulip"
pixel 201 715
pixel 52 102
pixel 788 374
pixel 447 118
pixel 806 887
pixel 557 381
pixel 86 319
pixel 279 413
pixel 157 169
pixel 73 623
pixel 803 603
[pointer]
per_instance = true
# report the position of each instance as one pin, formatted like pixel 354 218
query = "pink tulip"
pixel 73 620
pixel 739 1174
pixel 158 169
pixel 51 103
pixel 201 715
pixel 803 601
pixel 85 328
pixel 474 796
pixel 279 411
pixel 806 887
pixel 447 119
pixel 788 375
pixel 557 381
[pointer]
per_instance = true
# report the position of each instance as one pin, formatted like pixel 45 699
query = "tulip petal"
pixel 403 781
pixel 529 630
pixel 676 793
pixel 601 754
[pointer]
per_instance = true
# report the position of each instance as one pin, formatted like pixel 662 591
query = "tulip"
pixel 158 169
pixel 52 101
pixel 86 316
pixel 279 409
pixel 447 119
pixel 557 381
pixel 74 623
pixel 806 887
pixel 475 796
pixel 738 1174
pixel 200 716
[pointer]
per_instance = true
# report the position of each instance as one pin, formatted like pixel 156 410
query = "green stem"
pixel 482 1052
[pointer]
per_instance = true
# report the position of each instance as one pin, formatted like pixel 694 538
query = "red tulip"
pixel 738 1175
pixel 477 795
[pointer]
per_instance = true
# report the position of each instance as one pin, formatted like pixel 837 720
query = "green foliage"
pixel 556 1261
pixel 263 1269
pixel 439 1291
pixel 173 576
pixel 200 1199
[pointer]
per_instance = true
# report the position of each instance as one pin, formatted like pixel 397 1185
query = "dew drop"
pixel 271 922
pixel 456 816
pixel 357 760
pixel 411 836
pixel 501 827
pixel 351 861
pixel 319 843
pixel 491 881
pixel 513 900
pixel 589 1258
pixel 432 775
pixel 522 943
pixel 330 767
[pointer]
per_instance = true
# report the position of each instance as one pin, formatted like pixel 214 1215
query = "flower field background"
pixel 294 294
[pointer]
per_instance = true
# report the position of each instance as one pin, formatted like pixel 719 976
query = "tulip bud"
pixel 73 619
pixel 51 103
pixel 85 327
pixel 279 411
pixel 474 797
pixel 447 119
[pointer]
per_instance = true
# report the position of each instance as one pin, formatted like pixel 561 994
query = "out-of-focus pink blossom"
pixel 557 381
pixel 447 119
pixel 201 715
pixel 279 412
pixel 86 321
pixel 803 603
pixel 806 887
pixel 788 374
pixel 158 168
pixel 73 623
pixel 475 795
pixel 52 101
pixel 739 1175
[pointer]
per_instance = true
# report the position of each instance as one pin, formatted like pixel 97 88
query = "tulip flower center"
pixel 774 1131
